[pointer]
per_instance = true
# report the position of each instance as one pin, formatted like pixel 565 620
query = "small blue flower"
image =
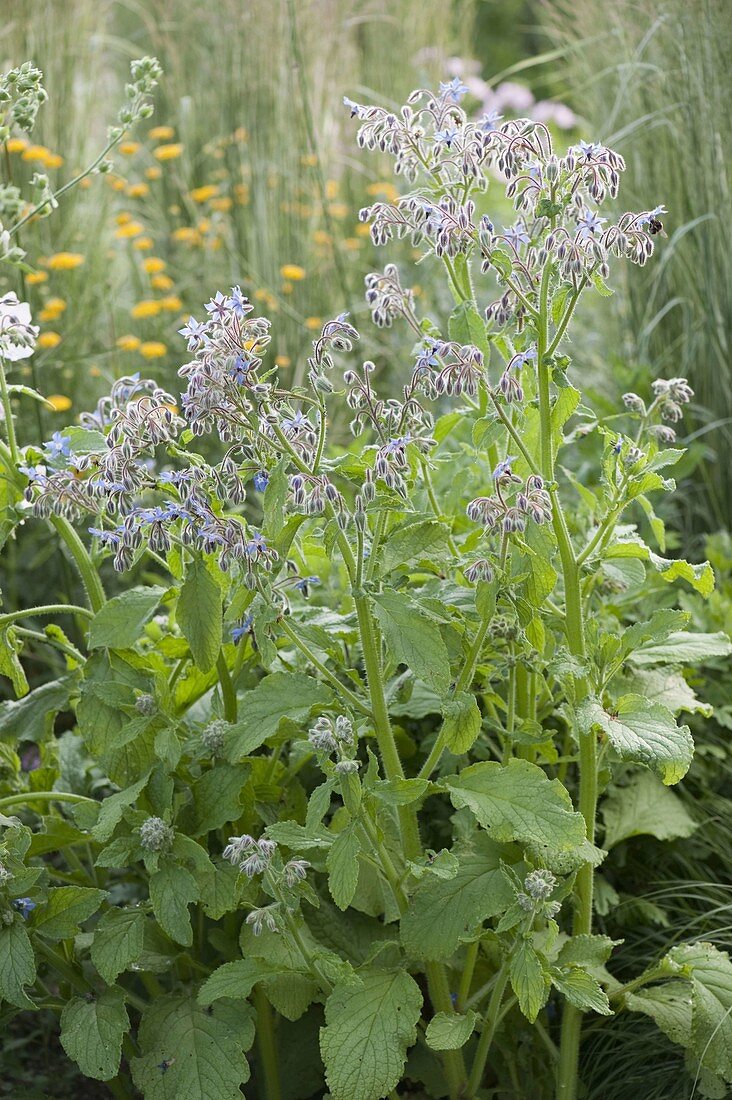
pixel 489 121
pixel 218 307
pixel 503 467
pixel 106 538
pixel 257 545
pixel 590 150
pixel 304 584
pixel 58 445
pixel 261 481
pixel 452 91
pixel 24 906
pixel 428 355
pixel 354 108
pixel 516 234
pixel 238 632
pixel 240 368
pixel 523 357
pixel 446 136
pixel 195 333
pixel 240 303
pixel 590 223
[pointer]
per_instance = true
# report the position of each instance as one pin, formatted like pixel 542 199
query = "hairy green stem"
pixel 44 796
pixel 8 411
pixel 486 1036
pixel 87 570
pixel 345 692
pixel 267 1046
pixel 45 609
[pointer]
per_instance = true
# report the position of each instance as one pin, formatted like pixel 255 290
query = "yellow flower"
pixel 314 323
pixel 148 307
pixel 185 233
pixel 123 217
pixel 321 237
pixel 384 189
pixel 153 349
pixel 203 194
pixel 362 230
pixel 338 210
pixel 154 172
pixel 161 133
pixel 168 152
pixel 86 183
pixel 36 152
pixel 331 189
pixel 129 148
pixel 171 304
pixel 240 134
pixel 131 229
pixel 59 402
pixel 161 282
pixel 65 261
pixel 49 340
pixel 283 361
pixel 128 343
pixel 143 244
pixel 292 272
pixel 35 277
pixel 287 288
pixel 204 226
pixel 309 160
pixel 153 264
pixel 16 145
pixel 138 190
pixel 352 244
pixel 116 183
pixel 53 160
pixel 241 193
pixel 222 204
pixel 95 372
pixel 57 305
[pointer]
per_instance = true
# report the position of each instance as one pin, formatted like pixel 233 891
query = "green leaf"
pixel 217 798
pixel 118 941
pixel 274 499
pixel 700 577
pixel 643 733
pixel 32 717
pixel 17 964
pixel 450 1030
pixel 518 802
pixel 463 722
pixel 234 980
pixel 581 990
pixel 199 614
pixel 412 543
pixel 122 619
pixel 369 1027
pixel 172 889
pixel 669 1005
pixel 281 695
pixel 684 648
pixel 711 980
pixel 67 907
pixel 528 980
pixel 413 639
pixel 644 806
pixel 112 808
pixel 92 1033
pixel 10 647
pixel 591 952
pixel 668 687
pixel 190 1052
pixel 466 326
pixel 343 865
pixel 444 911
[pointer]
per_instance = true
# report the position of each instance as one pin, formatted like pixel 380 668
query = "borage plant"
pixel 361 827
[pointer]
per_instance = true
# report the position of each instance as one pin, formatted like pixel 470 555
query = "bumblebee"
pixel 655 226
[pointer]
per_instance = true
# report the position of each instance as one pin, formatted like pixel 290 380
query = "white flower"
pixel 17 334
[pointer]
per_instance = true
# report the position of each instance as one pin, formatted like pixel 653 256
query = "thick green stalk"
pixel 453 1062
pixel 8 411
pixel 486 1035
pixel 43 796
pixel 574 626
pixel 267 1047
pixel 382 725
pixel 87 570
pixel 45 609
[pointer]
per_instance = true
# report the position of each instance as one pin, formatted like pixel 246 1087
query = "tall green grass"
pixel 653 78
